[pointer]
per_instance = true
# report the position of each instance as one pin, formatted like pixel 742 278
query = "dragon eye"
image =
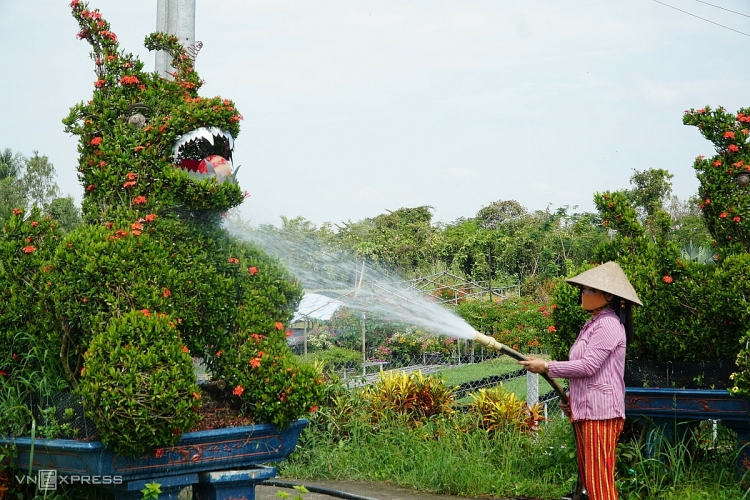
pixel 135 114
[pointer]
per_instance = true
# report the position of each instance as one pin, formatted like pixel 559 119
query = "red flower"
pixel 131 176
pixel 136 225
pixel 552 329
pixel 219 353
pixel 667 279
pixel 728 135
pixel 159 452
pixel 150 218
pixel 736 218
pixel 146 312
pixel 29 249
pixel 238 390
pixel 733 148
pixel 138 148
pixel 128 184
pixel 95 141
pixel 723 215
pixel 255 362
pixel 139 200
pixel 233 260
pixel 717 163
pixel 34 223
pixel 166 293
pixel 252 270
pixel 185 349
pixel 90 188
pixel 129 80
pixel 279 325
pixel 109 225
pixel 313 409
pixel 17 211
pixel 99 83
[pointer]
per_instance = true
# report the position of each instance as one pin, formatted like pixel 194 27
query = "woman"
pixel 596 371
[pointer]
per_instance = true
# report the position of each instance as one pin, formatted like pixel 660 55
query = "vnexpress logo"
pixel 49 479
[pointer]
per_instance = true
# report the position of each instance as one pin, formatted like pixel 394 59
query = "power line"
pixel 703 18
pixel 722 8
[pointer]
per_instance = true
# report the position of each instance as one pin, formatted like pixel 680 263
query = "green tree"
pixel 65 212
pixel 38 181
pixel 11 192
pixel 650 191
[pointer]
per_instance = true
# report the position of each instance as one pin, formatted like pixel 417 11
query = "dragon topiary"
pixel 117 309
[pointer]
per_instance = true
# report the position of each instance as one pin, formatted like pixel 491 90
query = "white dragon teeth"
pixel 202 133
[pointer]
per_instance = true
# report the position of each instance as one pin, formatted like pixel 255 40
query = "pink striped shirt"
pixel 596 369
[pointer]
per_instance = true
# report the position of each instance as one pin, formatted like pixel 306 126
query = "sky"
pixel 352 109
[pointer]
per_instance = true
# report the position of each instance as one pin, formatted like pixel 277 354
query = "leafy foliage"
pixel 138 384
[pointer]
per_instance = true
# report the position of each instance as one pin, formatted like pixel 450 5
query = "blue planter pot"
pixel 194 458
pixel 674 412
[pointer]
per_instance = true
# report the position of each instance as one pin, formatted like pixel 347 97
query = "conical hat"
pixel 609 278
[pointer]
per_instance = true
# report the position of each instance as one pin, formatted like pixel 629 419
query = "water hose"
pixel 493 344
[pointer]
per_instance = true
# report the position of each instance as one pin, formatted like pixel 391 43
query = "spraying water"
pixel 357 285
pixel 361 287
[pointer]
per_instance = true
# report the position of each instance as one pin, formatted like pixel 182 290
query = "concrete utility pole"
pixel 176 17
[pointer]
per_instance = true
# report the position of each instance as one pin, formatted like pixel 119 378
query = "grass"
pixel 450 455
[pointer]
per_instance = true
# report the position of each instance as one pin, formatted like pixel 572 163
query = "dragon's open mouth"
pixel 206 153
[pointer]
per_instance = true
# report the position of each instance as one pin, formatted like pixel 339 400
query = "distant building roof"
pixel 316 306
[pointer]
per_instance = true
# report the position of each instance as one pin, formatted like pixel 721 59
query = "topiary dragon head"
pixel 148 142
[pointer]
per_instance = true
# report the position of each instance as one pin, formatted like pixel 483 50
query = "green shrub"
pixel 498 410
pixel 413 395
pixel 519 322
pixel 138 384
pixel 335 359
pixel 272 384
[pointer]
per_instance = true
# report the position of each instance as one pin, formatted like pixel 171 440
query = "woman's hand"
pixel 534 365
pixel 565 407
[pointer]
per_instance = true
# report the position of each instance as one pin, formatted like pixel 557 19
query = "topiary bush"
pixel 138 385
pixel 155 161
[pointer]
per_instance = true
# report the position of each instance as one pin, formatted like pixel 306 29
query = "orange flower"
pixel 146 312
pixel 313 409
pixel 159 452
pixel 252 270
pixel 717 163
pixel 95 141
pixel 233 260
pixel 139 200
pixel 667 279
pixel 109 225
pixel 29 249
pixel 138 148
pixel 238 390
pixel 136 225
pixel 255 362
pixel 129 80
pixel 196 395
pixel 723 215
pixel 728 135
pixel 166 293
pixel 219 353
pixel 279 325
pixel 128 184
pixel 132 176
pixel 185 349
pixel 552 329
pixel 150 218
pixel 733 148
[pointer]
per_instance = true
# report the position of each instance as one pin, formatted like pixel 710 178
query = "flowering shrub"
pixel 137 383
pixel 271 383
pixel 518 322
pixel 403 347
